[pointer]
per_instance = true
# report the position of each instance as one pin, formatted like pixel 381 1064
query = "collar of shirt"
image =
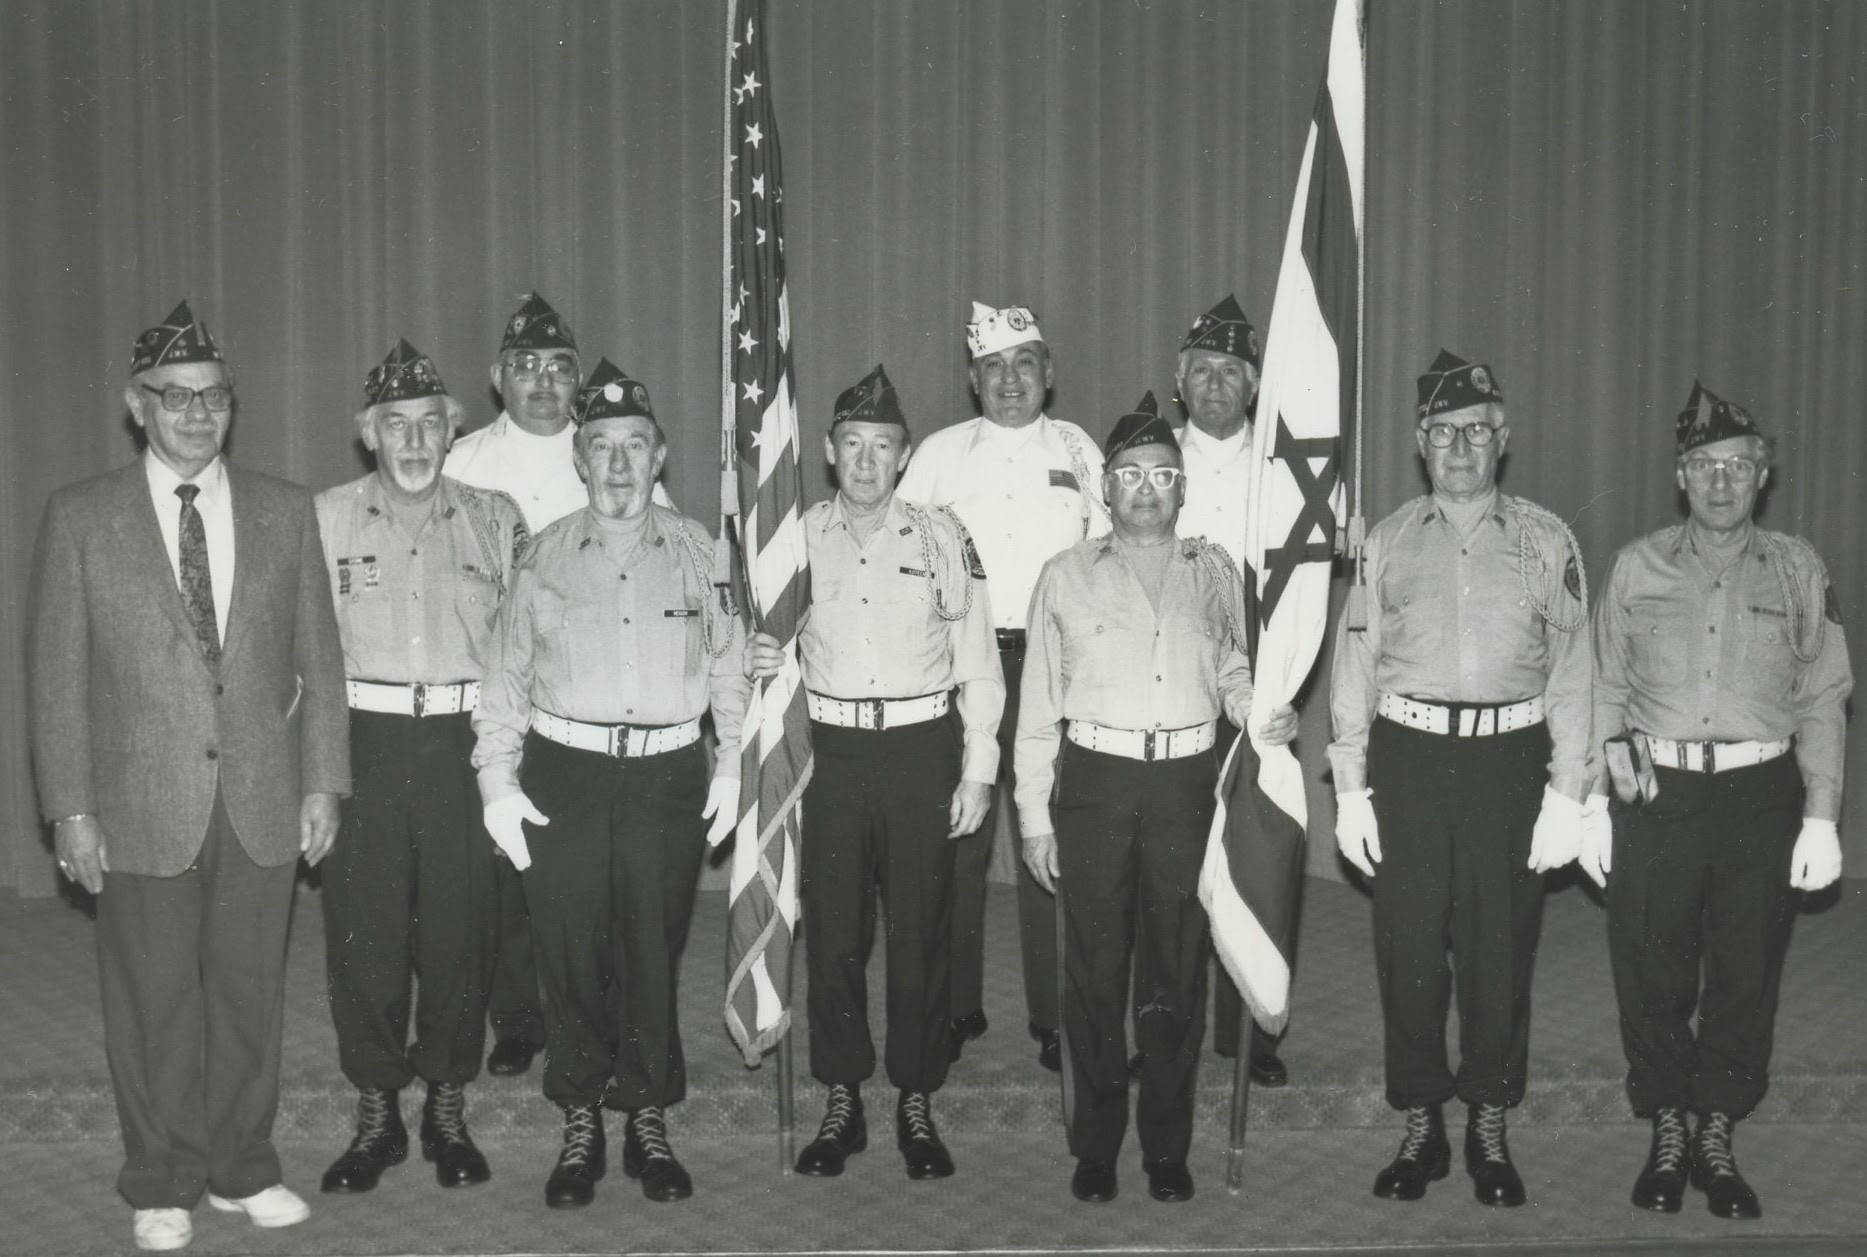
pixel 163 481
pixel 375 503
pixel 894 518
pixel 1431 510
pixel 654 536
pixel 1683 540
pixel 506 428
pixel 989 433
pixel 1213 450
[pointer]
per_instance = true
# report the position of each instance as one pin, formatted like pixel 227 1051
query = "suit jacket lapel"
pixel 141 534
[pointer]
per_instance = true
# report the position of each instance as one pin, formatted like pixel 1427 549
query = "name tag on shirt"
pixel 913 571
pixel 1064 480
pixel 681 613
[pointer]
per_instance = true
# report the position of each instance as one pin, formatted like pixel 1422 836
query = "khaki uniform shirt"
pixel 1457 620
pixel 1023 493
pixel 611 633
pixel 1099 651
pixel 875 631
pixel 1754 653
pixel 420 608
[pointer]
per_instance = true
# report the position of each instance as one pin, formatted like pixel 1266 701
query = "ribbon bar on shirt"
pixel 875 713
pixel 1144 744
pixel 1461 720
pixel 413 700
pixel 1714 757
pixel 616 741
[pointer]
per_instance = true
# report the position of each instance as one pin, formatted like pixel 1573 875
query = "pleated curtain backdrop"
pixel 1603 199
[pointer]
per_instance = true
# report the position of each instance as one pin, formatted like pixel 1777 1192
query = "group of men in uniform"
pixel 530 635
pixel 1686 745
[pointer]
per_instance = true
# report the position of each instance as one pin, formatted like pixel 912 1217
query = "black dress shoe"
pixel 844 1133
pixel 1714 1171
pixel 1050 1051
pixel 1267 1068
pixel 380 1142
pixel 444 1138
pixel 1094 1181
pixel 917 1138
pixel 1487 1158
pixel 581 1161
pixel 1661 1185
pixel 1170 1181
pixel 1425 1157
pixel 646 1155
pixel 972 1026
pixel 510 1057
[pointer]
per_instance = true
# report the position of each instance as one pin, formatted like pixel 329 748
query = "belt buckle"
pixel 617 735
pixel 421 695
pixel 1711 756
pixel 869 709
pixel 1147 745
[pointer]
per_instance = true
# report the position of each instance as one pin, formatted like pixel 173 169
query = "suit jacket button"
pixel 212 753
pixel 219 690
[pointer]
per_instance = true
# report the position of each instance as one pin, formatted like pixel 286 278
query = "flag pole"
pixel 1355 611
pixel 1241 1064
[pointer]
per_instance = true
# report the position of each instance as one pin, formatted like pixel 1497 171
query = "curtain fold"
pixel 1602 199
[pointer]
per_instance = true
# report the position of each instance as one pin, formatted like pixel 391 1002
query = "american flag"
pixel 761 503
pixel 1312 362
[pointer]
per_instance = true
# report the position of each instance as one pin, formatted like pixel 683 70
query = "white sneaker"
pixel 277 1206
pixel 160 1230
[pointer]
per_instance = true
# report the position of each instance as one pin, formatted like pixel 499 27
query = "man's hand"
pixel 1357 835
pixel 1557 838
pixel 82 854
pixel 1816 861
pixel 317 826
pixel 1279 727
pixel 967 810
pixel 764 656
pixel 723 807
pixel 505 824
pixel 1040 856
pixel 1597 858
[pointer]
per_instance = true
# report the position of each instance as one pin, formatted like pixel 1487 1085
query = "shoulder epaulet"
pixel 819 510
pixel 1544 544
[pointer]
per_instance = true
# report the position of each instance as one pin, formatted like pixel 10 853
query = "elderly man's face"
pixel 1722 480
pixel 1011 383
pixel 619 460
pixel 187 439
pixel 1145 506
pixel 1218 389
pixel 1463 469
pixel 538 387
pixel 409 440
pixel 868 457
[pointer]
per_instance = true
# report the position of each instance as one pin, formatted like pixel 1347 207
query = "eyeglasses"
pixel 1162 478
pixel 528 367
pixel 177 398
pixel 1477 434
pixel 1737 469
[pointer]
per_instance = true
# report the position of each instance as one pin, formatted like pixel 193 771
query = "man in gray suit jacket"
pixel 189 732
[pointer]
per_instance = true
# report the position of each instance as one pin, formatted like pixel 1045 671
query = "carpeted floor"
pixel 1314 1145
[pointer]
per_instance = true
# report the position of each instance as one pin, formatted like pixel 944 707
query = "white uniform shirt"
pixel 215 505
pixel 537 471
pixel 1217 483
pixel 1023 493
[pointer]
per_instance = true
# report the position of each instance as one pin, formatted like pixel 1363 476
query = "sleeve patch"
pixel 1572 579
pixel 975 566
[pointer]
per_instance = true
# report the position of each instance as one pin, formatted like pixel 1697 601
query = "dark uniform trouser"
pixel 192 969
pixel 514 1005
pixel 1701 874
pixel 1133 834
pixel 1037 908
pixel 409 888
pixel 1456 816
pixel 875 811
pixel 611 889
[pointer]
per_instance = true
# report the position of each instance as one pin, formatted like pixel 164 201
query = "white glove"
pixel 1597 840
pixel 1816 862
pixel 1557 838
pixel 1356 833
pixel 723 807
pixel 505 821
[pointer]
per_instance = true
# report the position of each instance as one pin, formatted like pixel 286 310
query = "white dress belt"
pixel 1461 720
pixel 875 713
pixel 413 700
pixel 616 741
pixel 1143 744
pixel 1714 757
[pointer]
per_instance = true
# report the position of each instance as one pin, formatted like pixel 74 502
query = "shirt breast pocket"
pixel 476 602
pixel 1658 656
pixel 367 616
pixel 1769 656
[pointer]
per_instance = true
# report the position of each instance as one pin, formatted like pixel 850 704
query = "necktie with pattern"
pixel 197 582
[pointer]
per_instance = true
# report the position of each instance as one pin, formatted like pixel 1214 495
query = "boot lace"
pixel 840 1114
pixel 1490 1131
pixel 374 1106
pixel 579 1135
pixel 1714 1145
pixel 651 1132
pixel 919 1118
pixel 447 1111
pixel 1668 1140
pixel 1419 1130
